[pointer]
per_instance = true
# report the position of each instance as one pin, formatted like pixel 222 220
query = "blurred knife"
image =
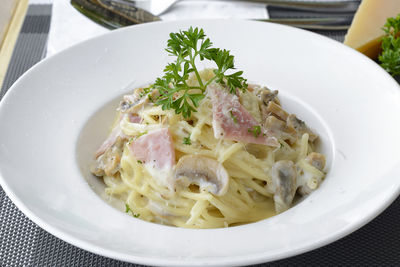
pixel 119 13
pixel 113 14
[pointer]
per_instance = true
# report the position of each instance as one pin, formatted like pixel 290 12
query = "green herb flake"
pixel 128 209
pixel 255 130
pixel 187 47
pixel 233 116
pixel 187 141
pixel 140 162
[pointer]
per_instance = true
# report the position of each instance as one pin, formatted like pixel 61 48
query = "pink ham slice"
pixel 155 148
pixel 232 121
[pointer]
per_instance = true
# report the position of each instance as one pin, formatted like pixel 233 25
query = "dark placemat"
pixel 23 243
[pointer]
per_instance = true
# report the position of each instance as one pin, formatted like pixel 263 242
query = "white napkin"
pixel 69 27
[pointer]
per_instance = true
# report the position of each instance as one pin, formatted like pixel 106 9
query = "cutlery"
pixel 119 13
pixel 113 14
pixel 158 7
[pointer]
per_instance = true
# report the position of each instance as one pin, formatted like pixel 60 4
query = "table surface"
pixel 23 243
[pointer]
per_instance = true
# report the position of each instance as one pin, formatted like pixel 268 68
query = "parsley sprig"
pixel 390 57
pixel 188 47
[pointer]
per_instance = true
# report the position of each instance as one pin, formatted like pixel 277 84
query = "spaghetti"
pixel 168 169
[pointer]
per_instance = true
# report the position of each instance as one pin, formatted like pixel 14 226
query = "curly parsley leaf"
pixel 189 46
pixel 390 56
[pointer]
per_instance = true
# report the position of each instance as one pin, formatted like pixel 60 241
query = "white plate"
pixel 68 99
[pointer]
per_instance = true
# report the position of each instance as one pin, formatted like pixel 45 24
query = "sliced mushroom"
pixel 205 172
pixel 277 128
pixel 317 160
pixel 130 100
pixel 300 127
pixel 267 96
pixel 136 101
pixel 108 163
pixel 277 111
pixel 284 177
pixel 274 124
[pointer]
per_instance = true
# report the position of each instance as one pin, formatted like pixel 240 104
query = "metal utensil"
pixel 113 14
pixel 119 13
pixel 158 7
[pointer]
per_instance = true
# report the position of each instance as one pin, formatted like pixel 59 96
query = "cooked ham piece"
pixel 232 121
pixel 155 148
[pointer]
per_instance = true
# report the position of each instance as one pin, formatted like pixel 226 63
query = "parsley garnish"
pixel 128 209
pixel 186 140
pixel 189 46
pixel 139 161
pixel 256 130
pixel 390 57
pixel 233 116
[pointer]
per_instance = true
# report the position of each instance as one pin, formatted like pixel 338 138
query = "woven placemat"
pixel 23 243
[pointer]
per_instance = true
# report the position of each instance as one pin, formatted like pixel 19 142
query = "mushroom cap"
pixel 206 172
pixel 276 110
pixel 317 160
pixel 284 177
pixel 299 126
pixel 267 95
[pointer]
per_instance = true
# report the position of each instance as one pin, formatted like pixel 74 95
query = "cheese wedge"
pixel 365 32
